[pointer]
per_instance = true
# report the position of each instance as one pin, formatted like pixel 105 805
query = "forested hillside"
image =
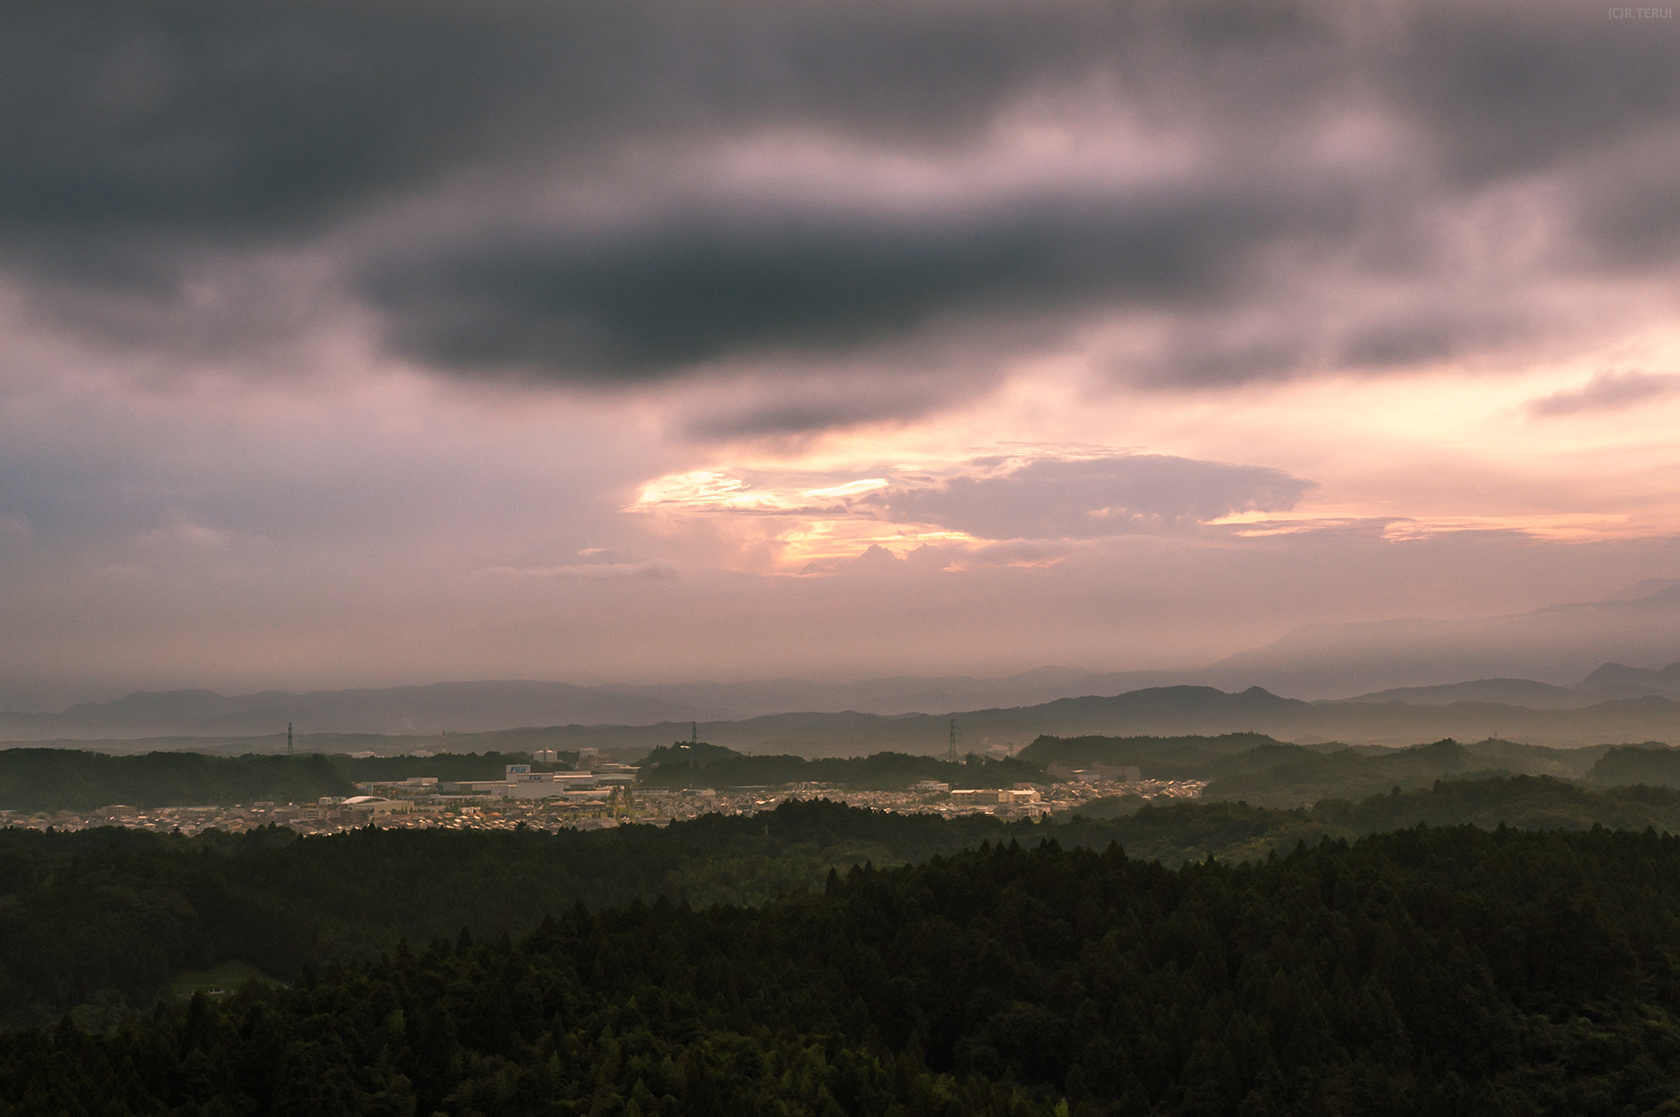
pixel 704 765
pixel 1238 766
pixel 107 917
pixel 1652 763
pixel 1257 769
pixel 1423 971
pixel 73 779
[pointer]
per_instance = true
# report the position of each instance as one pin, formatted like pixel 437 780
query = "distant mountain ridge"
pixel 467 707
pixel 1321 662
pixel 480 707
pixel 1615 709
pixel 1510 692
pixel 1167 712
pixel 1151 711
pixel 1608 681
pixel 1555 644
pixel 1623 681
pixel 462 706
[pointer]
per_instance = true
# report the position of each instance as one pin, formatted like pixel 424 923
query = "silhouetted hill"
pixel 1617 680
pixel 1155 712
pixel 1162 758
pixel 1513 662
pixel 430 709
pixel 479 707
pixel 1508 692
pixel 907 694
pixel 1653 764
pixel 66 779
pixel 704 765
pixel 1257 769
pixel 685 756
pixel 1347 774
pixel 80 780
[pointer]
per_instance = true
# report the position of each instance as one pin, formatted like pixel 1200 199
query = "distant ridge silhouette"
pixel 1319 662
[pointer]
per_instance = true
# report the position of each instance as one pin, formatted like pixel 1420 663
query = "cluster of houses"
pixel 594 781
pixel 599 781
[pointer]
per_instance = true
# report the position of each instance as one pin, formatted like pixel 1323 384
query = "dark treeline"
pixel 1237 766
pixel 50 779
pixel 1258 769
pixel 70 779
pixel 1175 831
pixel 107 917
pixel 1652 763
pixel 446 766
pixel 705 765
pixel 1424 971
pixel 1161 758
pixel 1286 775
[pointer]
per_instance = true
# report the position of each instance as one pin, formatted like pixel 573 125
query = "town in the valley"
pixel 599 794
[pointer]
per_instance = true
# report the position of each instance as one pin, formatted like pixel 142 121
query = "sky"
pixel 362 343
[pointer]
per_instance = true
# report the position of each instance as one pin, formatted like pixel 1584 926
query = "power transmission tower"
pixel 288 738
pixel 951 752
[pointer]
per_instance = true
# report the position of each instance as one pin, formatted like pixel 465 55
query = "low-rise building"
pixel 378 804
pixel 611 772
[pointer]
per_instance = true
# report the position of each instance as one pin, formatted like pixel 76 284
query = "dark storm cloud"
pixel 143 142
pixel 699 287
pixel 1508 89
pixel 233 119
pixel 798 406
pixel 1629 212
pixel 1094 498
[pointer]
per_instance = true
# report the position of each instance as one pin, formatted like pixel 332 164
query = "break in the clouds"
pixel 1038 497
pixel 1089 498
pixel 617 194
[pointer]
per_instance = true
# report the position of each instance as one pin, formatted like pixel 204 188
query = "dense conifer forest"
pixel 1477 945
pixel 99 921
pixel 1427 970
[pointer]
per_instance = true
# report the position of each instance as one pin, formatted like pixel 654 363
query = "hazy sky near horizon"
pixel 360 343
